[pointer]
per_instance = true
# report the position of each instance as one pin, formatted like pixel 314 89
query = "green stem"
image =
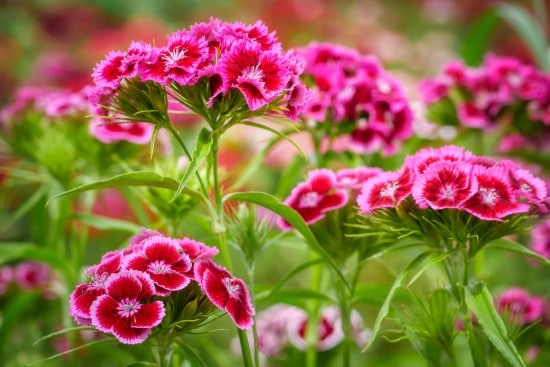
pixel 345 315
pixel 312 329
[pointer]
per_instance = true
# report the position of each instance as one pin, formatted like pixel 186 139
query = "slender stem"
pixel 312 329
pixel 345 316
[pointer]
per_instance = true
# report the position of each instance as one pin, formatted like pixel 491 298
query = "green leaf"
pixel 203 145
pixel 106 223
pixel 192 356
pixel 62 332
pixel 291 216
pixel 294 296
pixel 13 312
pixel 11 251
pixel 513 246
pixel 101 341
pixel 411 269
pixel 478 38
pixel 25 207
pixel 480 301
pixel 276 132
pixel 528 29
pixel 141 178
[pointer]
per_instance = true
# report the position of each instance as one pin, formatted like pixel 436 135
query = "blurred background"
pixel 57 42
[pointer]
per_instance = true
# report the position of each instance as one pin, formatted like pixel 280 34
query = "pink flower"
pixel 6 277
pixel 444 185
pixel 31 274
pixel 133 132
pixel 110 263
pixel 316 196
pixel 540 239
pixel 226 292
pixel 330 329
pixel 81 300
pixel 137 241
pixel 354 178
pixel 108 72
pixel 163 261
pixel 182 57
pixel 124 311
pixel 520 306
pixel 494 198
pixel 196 250
pixel 231 33
pixel 427 156
pixel 386 190
pixel 259 75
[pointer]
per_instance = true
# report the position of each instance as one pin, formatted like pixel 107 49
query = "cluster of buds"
pixel 355 99
pixel 132 290
pixel 231 67
pixel 501 90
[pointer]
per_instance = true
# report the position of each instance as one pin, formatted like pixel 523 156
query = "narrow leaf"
pixel 25 207
pixel 192 355
pixel 291 216
pixel 528 29
pixel 141 178
pixel 411 269
pixel 276 132
pixel 106 223
pixel 513 246
pixel 62 332
pixel 478 38
pixel 101 341
pixel 203 145
pixel 11 251
pixel 480 301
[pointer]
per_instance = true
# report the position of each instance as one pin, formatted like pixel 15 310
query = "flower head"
pixel 520 306
pixel 124 310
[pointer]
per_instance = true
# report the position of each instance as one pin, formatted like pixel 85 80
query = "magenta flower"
pixel 330 329
pixel 427 156
pixel 196 250
pixel 494 198
pixel 81 300
pixel 226 292
pixel 124 309
pixel 133 132
pixel 182 57
pixel 231 33
pixel 110 263
pixel 316 196
pixel 259 75
pixel 108 72
pixel 520 306
pixel 163 261
pixel 444 185
pixel 31 274
pixel 354 178
pixel 386 190
pixel 540 239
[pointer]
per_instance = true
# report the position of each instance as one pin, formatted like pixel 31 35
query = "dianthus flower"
pixel 126 291
pixel 502 91
pixel 352 93
pixel 203 67
pixel 520 306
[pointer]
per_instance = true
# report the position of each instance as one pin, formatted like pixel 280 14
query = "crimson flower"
pixel 226 292
pixel 124 311
pixel 163 261
pixel 386 190
pixel 494 198
pixel 316 196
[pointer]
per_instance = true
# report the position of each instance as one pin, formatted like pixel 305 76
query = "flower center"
pixel 309 200
pixel 389 189
pixel 448 192
pixel 232 288
pixel 159 267
pixel 488 196
pixel 128 307
pixel 174 56
pixel 253 73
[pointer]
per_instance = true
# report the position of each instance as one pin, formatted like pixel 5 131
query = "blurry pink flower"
pixel 31 275
pixel 133 132
pixel 520 306
pixel 330 329
pixel 494 198
pixel 354 178
pixel 196 250
pixel 231 33
pixel 540 239
pixel 163 261
pixel 226 292
pixel 6 277
pixel 316 196
pixel 124 309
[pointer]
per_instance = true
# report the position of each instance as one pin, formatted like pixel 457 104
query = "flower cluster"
pixel 217 59
pixel 125 291
pixel 281 325
pixel 523 308
pixel 451 177
pixel 324 191
pixel 356 98
pixel 502 90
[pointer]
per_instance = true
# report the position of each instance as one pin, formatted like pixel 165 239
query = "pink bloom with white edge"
pixel 126 309
pixel 386 190
pixel 494 198
pixel 316 196
pixel 521 306
pixel 162 259
pixel 133 132
pixel 354 178
pixel 226 292
pixel 330 329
